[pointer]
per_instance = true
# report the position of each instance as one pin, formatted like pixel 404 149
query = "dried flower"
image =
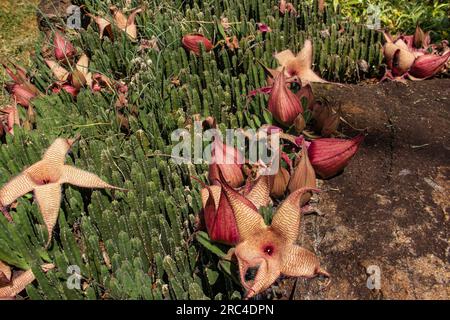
pixel 149 44
pixel 286 7
pixel 421 39
pixel 103 25
pixel 60 73
pixel 299 124
pixel 9 116
pixel 225 24
pixel 5 274
pixel 232 43
pixel 100 81
pixel 305 92
pixel 58 86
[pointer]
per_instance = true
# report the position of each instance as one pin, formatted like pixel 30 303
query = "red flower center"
pixel 268 249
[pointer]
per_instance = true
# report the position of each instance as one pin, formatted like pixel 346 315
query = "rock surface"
pixel 390 207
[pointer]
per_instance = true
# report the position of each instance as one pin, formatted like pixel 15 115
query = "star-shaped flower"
pixel 271 248
pixel 45 178
pixel 19 282
pixel 298 65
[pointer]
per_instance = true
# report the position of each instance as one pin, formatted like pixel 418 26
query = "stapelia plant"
pixel 273 248
pixel 299 65
pixel 19 281
pixel 218 215
pixel 45 178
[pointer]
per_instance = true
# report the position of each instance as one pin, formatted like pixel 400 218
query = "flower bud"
pixel 421 38
pixel 280 183
pixel 299 124
pixel 21 93
pixel 63 48
pixel 304 175
pixel 226 162
pixel 284 105
pixel 306 92
pixel 428 65
pixel 192 42
pixel 329 156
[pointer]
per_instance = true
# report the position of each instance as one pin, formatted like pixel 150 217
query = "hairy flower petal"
pixel 299 262
pixel 20 281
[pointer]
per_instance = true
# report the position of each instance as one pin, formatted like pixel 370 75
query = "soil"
pixel 390 207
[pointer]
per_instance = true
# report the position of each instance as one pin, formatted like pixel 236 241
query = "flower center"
pixel 268 249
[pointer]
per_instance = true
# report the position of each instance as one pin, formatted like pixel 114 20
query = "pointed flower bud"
pixel 421 39
pixel 64 49
pixel 284 105
pixel 21 93
pixel 303 176
pixel 20 74
pixel 305 92
pixel 280 183
pixel 227 161
pixel 329 156
pixel 299 124
pixel 428 65
pixel 193 41
pixel 218 216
